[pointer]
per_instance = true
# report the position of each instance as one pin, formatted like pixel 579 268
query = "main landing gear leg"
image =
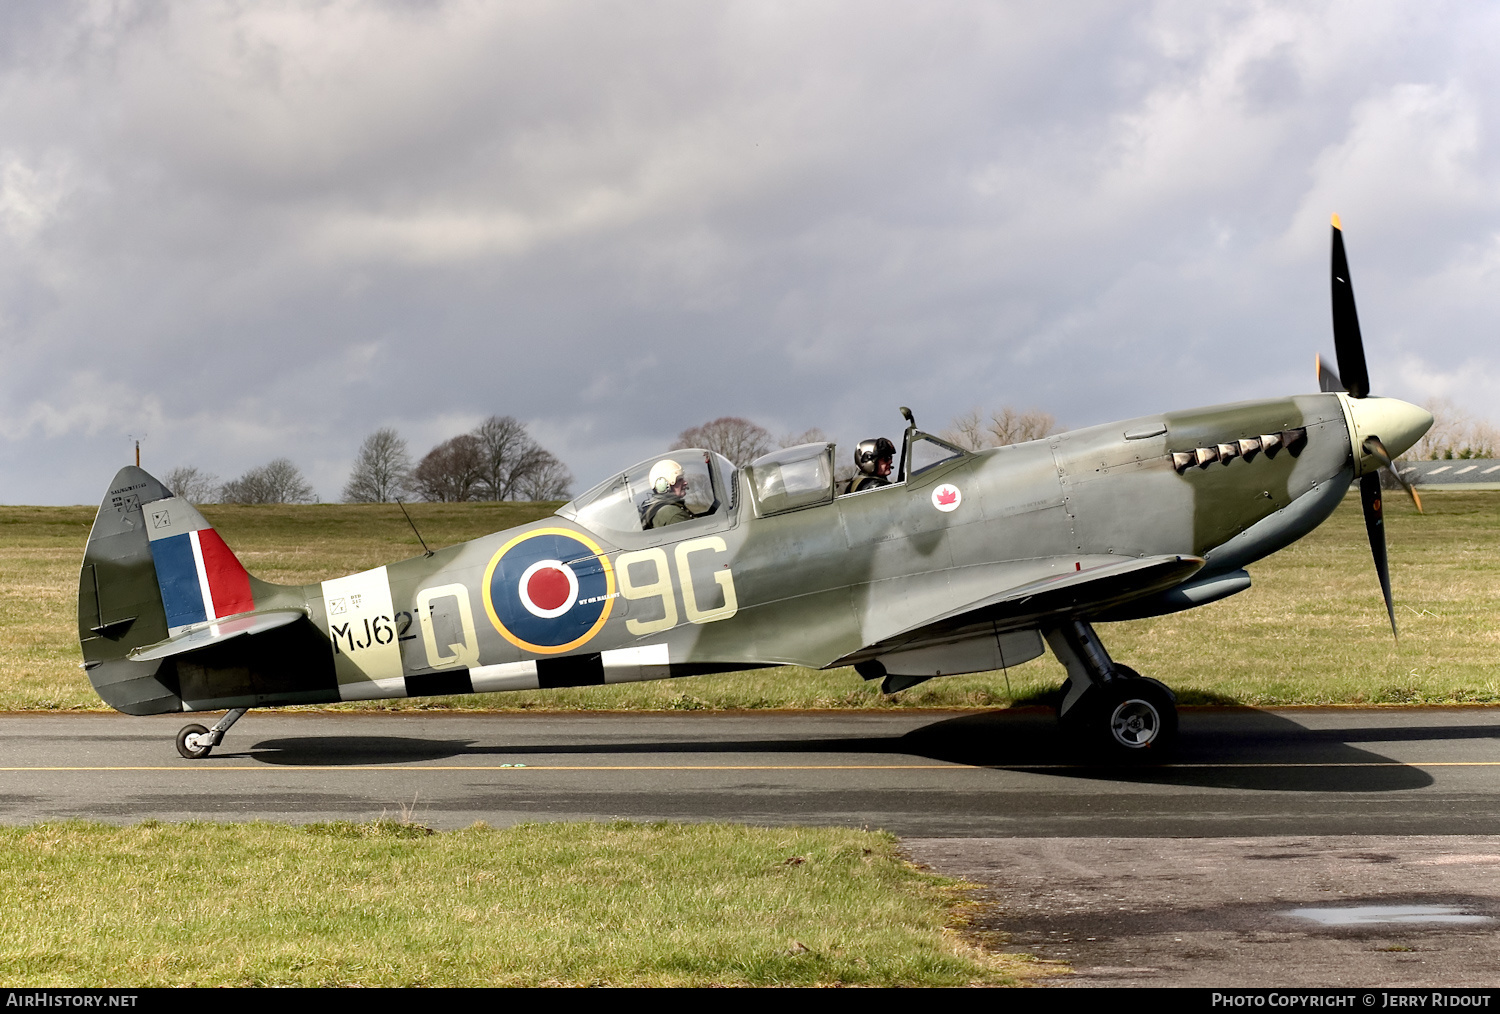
pixel 194 741
pixel 1112 708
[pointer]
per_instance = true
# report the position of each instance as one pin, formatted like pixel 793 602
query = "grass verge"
pixel 1312 630
pixel 394 904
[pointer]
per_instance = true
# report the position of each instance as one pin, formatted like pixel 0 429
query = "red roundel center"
pixel 548 588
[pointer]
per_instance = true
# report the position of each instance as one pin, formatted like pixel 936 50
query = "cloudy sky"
pixel 249 230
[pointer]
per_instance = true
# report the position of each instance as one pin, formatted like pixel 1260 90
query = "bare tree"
pixel 974 432
pixel 545 479
pixel 967 431
pixel 1011 427
pixel 451 471
pixel 508 455
pixel 1455 434
pixel 382 471
pixel 278 481
pixel 739 440
pixel 499 460
pixel 812 436
pixel 192 484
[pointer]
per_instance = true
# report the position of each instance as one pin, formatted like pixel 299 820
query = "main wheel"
pixel 1135 718
pixel 193 751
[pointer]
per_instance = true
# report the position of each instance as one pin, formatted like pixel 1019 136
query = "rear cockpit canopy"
pixel 618 504
pixel 792 478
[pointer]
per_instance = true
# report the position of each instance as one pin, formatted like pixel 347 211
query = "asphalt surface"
pixel 1356 911
pixel 918 774
pixel 1331 847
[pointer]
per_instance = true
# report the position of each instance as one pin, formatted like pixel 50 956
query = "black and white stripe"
pixel 621 665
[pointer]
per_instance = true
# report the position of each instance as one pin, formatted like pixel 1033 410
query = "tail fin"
pixel 155 600
pixel 153 568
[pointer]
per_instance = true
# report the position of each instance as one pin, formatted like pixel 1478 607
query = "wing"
pixel 1033 590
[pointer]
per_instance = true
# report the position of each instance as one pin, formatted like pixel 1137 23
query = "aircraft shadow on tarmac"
pixel 1229 748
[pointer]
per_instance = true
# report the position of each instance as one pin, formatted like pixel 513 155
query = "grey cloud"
pixel 266 230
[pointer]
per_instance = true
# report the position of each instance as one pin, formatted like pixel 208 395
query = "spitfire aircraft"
pixel 964 562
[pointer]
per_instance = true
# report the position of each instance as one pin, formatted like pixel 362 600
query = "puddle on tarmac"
pixel 1369 915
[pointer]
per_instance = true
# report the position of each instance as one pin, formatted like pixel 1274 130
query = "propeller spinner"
pixel 1376 421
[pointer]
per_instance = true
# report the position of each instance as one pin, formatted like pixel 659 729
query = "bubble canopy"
pixel 616 504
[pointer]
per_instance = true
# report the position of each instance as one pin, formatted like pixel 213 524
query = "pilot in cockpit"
pixel 874 459
pixel 666 504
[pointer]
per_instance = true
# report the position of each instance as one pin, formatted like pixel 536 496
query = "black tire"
pixel 192 753
pixel 1135 718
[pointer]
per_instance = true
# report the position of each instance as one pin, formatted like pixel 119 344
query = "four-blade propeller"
pixel 1349 349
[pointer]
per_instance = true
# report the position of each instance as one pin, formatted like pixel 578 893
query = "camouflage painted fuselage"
pixel 1064 526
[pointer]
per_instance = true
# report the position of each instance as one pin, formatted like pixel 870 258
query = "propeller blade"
pixel 1369 496
pixel 1376 450
pixel 1328 381
pixel 1348 347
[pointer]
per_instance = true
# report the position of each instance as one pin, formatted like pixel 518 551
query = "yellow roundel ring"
pixel 549 590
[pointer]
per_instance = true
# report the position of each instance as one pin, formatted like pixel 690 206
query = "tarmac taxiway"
pixel 1339 846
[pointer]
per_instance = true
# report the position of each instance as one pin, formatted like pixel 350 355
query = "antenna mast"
pixel 425 550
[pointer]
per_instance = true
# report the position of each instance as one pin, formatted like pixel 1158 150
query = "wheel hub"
pixel 1135 723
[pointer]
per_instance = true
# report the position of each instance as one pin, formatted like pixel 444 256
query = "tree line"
pixel 277 481
pixel 742 441
pixel 497 460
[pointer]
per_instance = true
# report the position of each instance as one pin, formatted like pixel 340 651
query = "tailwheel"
pixel 193 742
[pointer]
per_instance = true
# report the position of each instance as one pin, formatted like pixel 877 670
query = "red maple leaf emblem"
pixel 947 496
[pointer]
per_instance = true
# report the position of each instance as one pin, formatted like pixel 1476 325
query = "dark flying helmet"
pixel 868 452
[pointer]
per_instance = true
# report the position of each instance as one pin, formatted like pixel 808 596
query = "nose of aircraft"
pixel 1398 424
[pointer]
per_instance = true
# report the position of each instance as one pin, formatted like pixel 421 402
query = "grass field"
pixel 1311 631
pixel 391 904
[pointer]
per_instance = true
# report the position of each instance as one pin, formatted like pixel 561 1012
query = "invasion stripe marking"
pixel 570 671
pixel 619 665
pixel 439 684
